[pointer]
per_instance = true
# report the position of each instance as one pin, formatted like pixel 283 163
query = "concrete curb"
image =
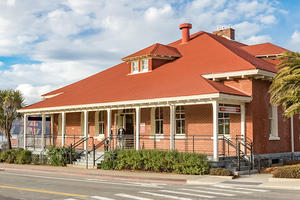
pixel 281 180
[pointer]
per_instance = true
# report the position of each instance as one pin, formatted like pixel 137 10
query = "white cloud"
pixel 73 38
pixel 257 39
pixel 294 43
pixel 1 63
pixel 33 93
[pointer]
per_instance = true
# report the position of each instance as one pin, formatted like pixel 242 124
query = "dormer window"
pixel 144 67
pixel 134 66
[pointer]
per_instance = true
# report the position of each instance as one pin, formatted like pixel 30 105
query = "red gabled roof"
pixel 156 49
pixel 205 53
pixel 264 49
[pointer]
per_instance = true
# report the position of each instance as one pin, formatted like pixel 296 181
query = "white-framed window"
pixel 159 121
pixel 180 120
pixel 273 122
pixel 144 65
pixel 224 123
pixel 134 66
pixel 101 122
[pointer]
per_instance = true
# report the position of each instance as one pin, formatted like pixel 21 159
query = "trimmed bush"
pixel 157 161
pixel 59 156
pixel 17 156
pixel 220 172
pixel 287 172
pixel 36 159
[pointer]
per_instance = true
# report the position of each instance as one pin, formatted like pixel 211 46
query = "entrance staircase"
pixel 84 161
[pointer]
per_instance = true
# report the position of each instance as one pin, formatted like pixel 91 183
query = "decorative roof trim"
pixel 164 57
pixel 240 74
pixel 139 103
pixel 50 96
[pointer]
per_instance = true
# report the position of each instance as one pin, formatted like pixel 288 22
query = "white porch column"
pixel 172 127
pixel 25 131
pixel 243 123
pixel 137 129
pixel 108 122
pixel 86 128
pixel 215 105
pixel 63 128
pixel 43 131
pixel 52 128
pixel 292 135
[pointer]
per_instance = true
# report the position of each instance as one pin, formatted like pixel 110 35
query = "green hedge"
pixel 220 172
pixel 17 156
pixel 59 156
pixel 287 172
pixel 157 161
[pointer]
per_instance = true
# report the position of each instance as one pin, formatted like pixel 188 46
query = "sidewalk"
pixel 254 180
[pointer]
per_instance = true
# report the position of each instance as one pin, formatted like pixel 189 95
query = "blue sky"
pixel 48 44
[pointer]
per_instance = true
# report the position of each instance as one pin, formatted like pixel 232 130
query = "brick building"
pixel 204 93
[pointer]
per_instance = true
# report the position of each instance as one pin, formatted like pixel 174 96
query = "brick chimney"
pixel 185 30
pixel 228 33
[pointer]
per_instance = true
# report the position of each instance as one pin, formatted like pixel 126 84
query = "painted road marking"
pixel 101 198
pixel 165 195
pixel 77 180
pixel 240 188
pixel 208 192
pixel 41 191
pixel 131 196
pixel 223 190
pixel 189 194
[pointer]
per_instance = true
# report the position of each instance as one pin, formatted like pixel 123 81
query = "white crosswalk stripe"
pixel 241 188
pixel 165 195
pixel 101 198
pixel 209 192
pixel 224 190
pixel 132 197
pixel 188 194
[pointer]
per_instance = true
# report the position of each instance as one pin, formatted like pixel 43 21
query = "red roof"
pixel 205 53
pixel 156 49
pixel 264 49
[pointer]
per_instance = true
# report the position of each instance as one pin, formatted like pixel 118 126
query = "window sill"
pixel 274 137
pixel 157 136
pixel 180 136
pixel 141 72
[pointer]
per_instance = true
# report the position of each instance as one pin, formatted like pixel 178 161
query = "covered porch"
pixel 199 124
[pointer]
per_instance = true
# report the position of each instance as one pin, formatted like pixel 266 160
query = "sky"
pixel 46 44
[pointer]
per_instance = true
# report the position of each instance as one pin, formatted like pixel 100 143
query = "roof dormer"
pixel 151 57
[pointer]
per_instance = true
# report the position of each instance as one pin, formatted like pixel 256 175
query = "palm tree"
pixel 285 89
pixel 10 102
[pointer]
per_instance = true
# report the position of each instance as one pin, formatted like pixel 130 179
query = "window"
pixel 134 66
pixel 273 122
pixel 224 123
pixel 101 122
pixel 144 66
pixel 159 120
pixel 180 120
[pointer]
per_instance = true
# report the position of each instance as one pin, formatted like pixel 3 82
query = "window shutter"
pixel 59 124
pixel 152 119
pixel 82 123
pixel 97 123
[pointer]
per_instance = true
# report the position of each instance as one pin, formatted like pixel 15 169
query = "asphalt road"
pixel 47 186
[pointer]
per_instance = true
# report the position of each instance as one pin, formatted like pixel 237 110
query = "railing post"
pixel 94 156
pixel 193 144
pixel 239 156
pixel 71 153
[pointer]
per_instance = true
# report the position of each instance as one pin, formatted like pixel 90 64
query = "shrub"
pixel 220 172
pixel 157 161
pixel 59 156
pixel 36 159
pixel 17 156
pixel 23 157
pixel 287 172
